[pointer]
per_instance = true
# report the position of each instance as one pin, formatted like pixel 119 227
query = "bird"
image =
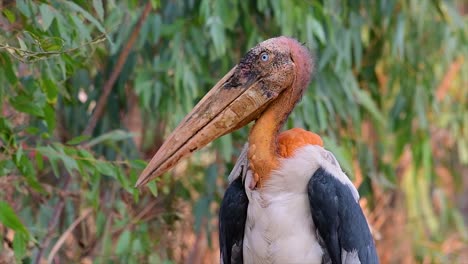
pixel 288 200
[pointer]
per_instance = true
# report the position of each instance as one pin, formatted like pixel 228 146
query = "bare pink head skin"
pixel 265 86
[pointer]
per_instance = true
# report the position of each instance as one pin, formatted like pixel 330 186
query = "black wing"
pixel 232 217
pixel 339 220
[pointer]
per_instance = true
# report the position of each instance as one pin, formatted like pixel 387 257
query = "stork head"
pixel 240 97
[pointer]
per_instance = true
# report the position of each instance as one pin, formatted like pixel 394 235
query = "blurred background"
pixel 90 89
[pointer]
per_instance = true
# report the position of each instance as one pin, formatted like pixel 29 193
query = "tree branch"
pixel 58 209
pixel 102 102
pixel 64 236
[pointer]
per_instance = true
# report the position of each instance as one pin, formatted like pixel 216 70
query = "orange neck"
pixel 263 147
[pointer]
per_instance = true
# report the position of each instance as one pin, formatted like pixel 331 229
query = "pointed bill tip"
pixel 141 182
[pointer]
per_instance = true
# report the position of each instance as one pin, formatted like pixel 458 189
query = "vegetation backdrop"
pixel 90 89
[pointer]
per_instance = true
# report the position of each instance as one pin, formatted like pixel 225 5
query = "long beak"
pixel 230 104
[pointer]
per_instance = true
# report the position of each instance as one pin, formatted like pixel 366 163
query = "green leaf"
pixel 398 47
pixel 317 29
pixel 97 4
pixel 122 178
pixel 201 210
pixel 49 117
pixel 7 66
pixel 26 105
pixel 138 164
pixel 85 154
pixel 50 89
pixel 20 243
pixel 420 107
pixel 9 15
pixel 47 16
pixel 226 147
pixel 25 166
pixel 81 28
pixel 105 168
pixel 228 12
pixel 123 244
pixel 217 34
pixel 77 140
pixel 91 19
pixel 155 3
pixel 22 44
pixel 155 26
pixel 153 188
pixel 366 101
pixel 115 135
pixel 51 44
pixel 23 7
pixel 137 246
pixel 86 14
pixel 9 219
pixel 6 166
pixel 57 153
pixel 32 130
pixel 39 161
pixel 54 165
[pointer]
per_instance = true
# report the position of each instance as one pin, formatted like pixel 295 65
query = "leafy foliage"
pixel 377 99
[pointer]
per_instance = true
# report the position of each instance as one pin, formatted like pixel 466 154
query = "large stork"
pixel 288 200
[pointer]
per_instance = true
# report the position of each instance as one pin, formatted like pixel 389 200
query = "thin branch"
pixel 30 56
pixel 62 238
pixel 58 209
pixel 142 215
pixel 102 102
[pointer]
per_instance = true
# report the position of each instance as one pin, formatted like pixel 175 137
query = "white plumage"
pixel 279 226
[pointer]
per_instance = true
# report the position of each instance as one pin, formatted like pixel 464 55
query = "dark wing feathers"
pixel 339 220
pixel 232 217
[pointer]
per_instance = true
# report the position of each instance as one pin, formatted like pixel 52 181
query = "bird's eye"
pixel 264 56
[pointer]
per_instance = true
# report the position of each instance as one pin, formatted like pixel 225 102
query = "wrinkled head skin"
pixel 239 98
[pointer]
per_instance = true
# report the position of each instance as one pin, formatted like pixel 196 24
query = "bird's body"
pixel 288 200
pixel 279 221
pixel 279 226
